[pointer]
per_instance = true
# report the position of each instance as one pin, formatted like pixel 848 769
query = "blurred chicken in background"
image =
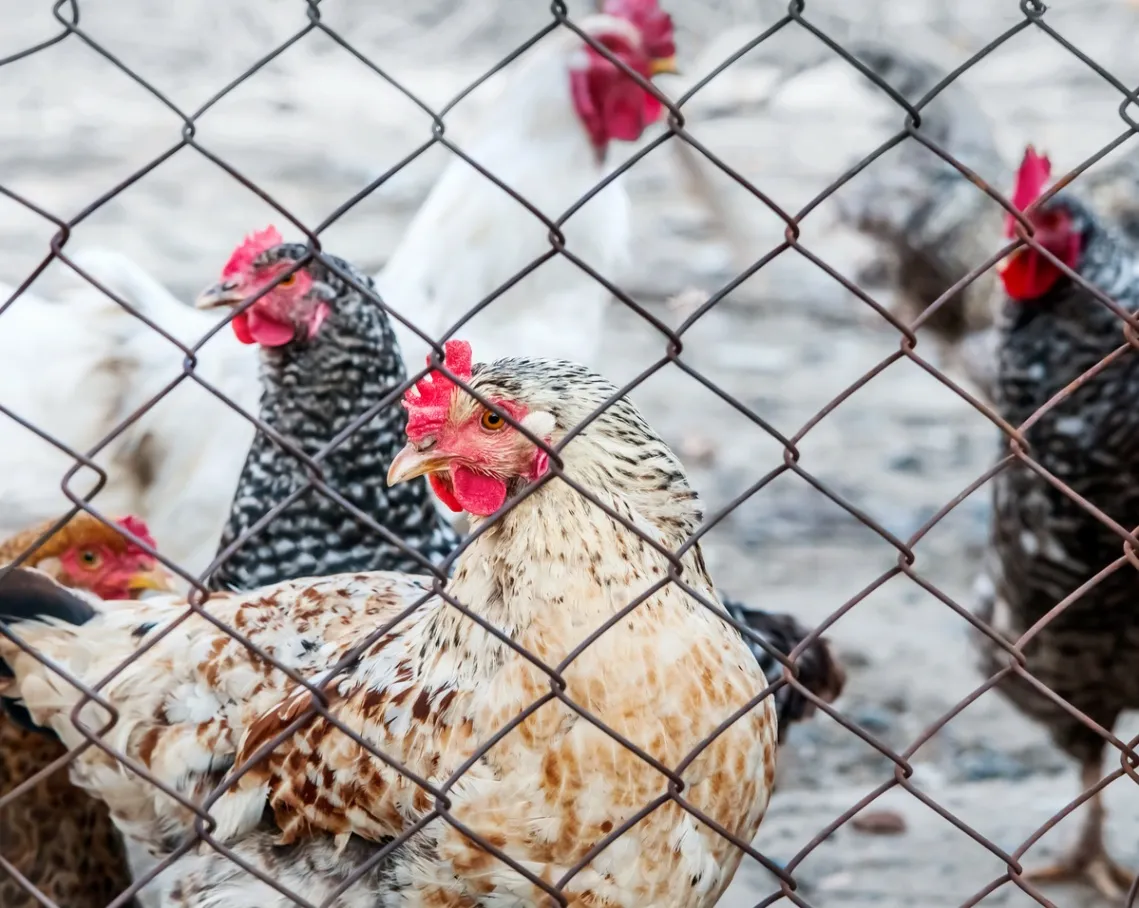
pixel 62 841
pixel 936 226
pixel 546 137
pixel 176 465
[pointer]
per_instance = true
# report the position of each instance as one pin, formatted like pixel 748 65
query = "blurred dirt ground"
pixel 315 126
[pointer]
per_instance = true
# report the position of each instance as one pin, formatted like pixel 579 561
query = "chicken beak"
pixel 664 66
pixel 411 462
pixel 225 293
pixel 157 578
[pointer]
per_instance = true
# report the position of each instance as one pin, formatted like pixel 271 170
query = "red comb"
pixel 251 247
pixel 1031 179
pixel 137 526
pixel 427 400
pixel 653 22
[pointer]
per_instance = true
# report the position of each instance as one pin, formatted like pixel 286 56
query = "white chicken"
pixel 545 137
pixel 75 367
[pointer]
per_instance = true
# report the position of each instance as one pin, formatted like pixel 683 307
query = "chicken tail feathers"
pixel 817 669
pixel 28 595
pixel 20 716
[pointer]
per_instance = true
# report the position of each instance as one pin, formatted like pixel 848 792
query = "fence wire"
pixel 71 31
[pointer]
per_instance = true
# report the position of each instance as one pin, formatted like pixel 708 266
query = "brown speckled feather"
pixel 432 692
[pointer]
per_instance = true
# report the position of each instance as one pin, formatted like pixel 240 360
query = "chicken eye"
pixel 288 281
pixel 90 559
pixel 491 421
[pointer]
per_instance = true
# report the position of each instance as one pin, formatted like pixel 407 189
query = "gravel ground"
pixel 314 127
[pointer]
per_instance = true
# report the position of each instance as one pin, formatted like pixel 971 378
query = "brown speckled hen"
pixel 60 840
pixel 435 687
pixel 1045 545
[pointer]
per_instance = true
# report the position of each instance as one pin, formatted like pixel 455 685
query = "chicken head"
pixel 292 305
pixel 91 555
pixel 471 454
pixel 610 104
pixel 1026 273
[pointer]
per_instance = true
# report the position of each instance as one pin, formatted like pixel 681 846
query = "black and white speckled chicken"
pixel 328 357
pixel 1045 544
pixel 937 226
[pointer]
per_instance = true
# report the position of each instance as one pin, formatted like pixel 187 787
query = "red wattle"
pixel 442 488
pixel 653 108
pixel 609 104
pixel 478 494
pixel 582 94
pixel 253 327
pixel 268 331
pixel 240 326
pixel 623 112
pixel 1029 275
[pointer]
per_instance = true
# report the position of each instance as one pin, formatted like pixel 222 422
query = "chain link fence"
pixel 669 337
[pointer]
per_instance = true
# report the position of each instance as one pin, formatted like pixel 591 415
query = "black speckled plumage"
pixel 313 390
pixel 818 670
pixel 1044 544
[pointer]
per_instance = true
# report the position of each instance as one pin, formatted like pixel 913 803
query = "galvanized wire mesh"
pixel 798 17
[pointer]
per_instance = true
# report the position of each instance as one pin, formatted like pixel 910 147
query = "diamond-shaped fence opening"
pixel 551 704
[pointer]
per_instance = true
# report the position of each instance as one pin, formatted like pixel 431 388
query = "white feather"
pixel 470 237
pixel 78 366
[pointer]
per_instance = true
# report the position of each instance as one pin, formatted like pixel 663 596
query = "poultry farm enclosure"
pixel 757 328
